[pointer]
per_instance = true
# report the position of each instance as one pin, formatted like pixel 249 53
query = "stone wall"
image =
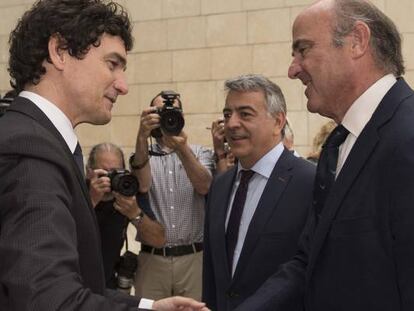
pixel 192 46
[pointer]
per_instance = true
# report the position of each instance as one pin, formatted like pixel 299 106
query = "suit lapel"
pixel 359 155
pixel 218 220
pixel 25 106
pixel 267 205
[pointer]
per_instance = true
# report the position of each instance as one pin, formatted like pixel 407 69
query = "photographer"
pixel 223 156
pixel 176 176
pixel 114 211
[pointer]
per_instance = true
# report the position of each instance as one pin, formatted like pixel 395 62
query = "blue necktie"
pixel 233 225
pixel 77 154
pixel 326 170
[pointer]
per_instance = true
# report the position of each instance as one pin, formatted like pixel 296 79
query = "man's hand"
pixel 176 143
pixel 180 304
pixel 217 132
pixel 100 184
pixel 149 120
pixel 127 206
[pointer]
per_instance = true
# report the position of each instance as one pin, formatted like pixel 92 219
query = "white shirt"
pixel 262 169
pixel 56 116
pixel 359 114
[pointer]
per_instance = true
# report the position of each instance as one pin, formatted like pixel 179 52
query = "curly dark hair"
pixel 79 24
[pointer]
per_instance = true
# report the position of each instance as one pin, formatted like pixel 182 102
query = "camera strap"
pixel 156 153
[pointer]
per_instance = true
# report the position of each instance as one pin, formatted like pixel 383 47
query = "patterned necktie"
pixel 77 154
pixel 233 225
pixel 326 171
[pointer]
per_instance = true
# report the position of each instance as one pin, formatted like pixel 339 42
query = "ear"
pixel 57 55
pixel 280 121
pixel 360 37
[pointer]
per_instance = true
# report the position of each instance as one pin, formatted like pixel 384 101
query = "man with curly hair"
pixel 67 62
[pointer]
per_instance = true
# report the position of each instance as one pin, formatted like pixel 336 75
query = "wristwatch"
pixel 136 166
pixel 138 219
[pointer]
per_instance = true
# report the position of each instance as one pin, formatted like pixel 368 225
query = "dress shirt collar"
pixel 266 163
pixel 362 109
pixel 56 116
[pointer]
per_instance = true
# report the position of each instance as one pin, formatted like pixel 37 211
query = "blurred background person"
pixel 289 138
pixel 115 211
pixel 223 157
pixel 177 177
pixel 319 140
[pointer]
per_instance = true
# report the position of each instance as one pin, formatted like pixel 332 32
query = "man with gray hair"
pixel 257 209
pixel 356 252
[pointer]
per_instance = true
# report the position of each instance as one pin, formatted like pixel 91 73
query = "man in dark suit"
pixel 67 62
pixel 357 249
pixel 277 200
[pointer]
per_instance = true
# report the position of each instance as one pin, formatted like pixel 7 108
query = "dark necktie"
pixel 326 171
pixel 77 154
pixel 233 225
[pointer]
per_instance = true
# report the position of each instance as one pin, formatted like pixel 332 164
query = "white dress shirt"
pixel 262 169
pixel 56 116
pixel 359 114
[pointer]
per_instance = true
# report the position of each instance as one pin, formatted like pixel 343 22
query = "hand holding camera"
pixel 102 183
pixel 99 185
pixel 165 120
pixel 176 143
pixel 217 133
pixel 150 120
pixel 127 206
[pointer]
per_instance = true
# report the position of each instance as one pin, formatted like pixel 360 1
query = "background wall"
pixel 192 46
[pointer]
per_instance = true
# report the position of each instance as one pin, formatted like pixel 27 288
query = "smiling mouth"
pixel 237 137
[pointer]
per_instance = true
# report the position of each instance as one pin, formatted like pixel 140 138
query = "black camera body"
pixel 5 103
pixel 172 120
pixel 126 269
pixel 124 182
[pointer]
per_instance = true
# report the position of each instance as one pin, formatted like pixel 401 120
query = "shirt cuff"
pixel 146 304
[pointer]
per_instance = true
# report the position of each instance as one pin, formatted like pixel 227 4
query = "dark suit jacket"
pixel 360 255
pixel 272 236
pixel 50 255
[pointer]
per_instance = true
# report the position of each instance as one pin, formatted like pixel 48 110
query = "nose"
pixel 121 84
pixel 232 122
pixel 294 69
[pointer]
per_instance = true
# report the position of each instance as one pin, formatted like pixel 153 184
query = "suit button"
pixel 232 295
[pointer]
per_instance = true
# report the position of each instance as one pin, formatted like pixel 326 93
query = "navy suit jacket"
pixel 360 254
pixel 272 236
pixel 50 254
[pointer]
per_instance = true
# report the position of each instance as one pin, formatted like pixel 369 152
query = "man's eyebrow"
pixel 246 107
pixel 299 42
pixel 122 60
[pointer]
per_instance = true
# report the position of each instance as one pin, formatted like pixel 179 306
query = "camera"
pixel 124 182
pixel 172 120
pixel 126 268
pixel 6 101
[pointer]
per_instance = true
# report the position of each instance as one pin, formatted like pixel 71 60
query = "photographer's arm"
pixel 149 231
pixel 149 121
pixel 199 175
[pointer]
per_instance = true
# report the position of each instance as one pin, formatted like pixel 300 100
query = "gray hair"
pixel 385 39
pixel 275 101
pixel 104 147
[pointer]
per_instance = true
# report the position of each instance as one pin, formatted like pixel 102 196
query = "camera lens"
pixel 172 122
pixel 124 183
